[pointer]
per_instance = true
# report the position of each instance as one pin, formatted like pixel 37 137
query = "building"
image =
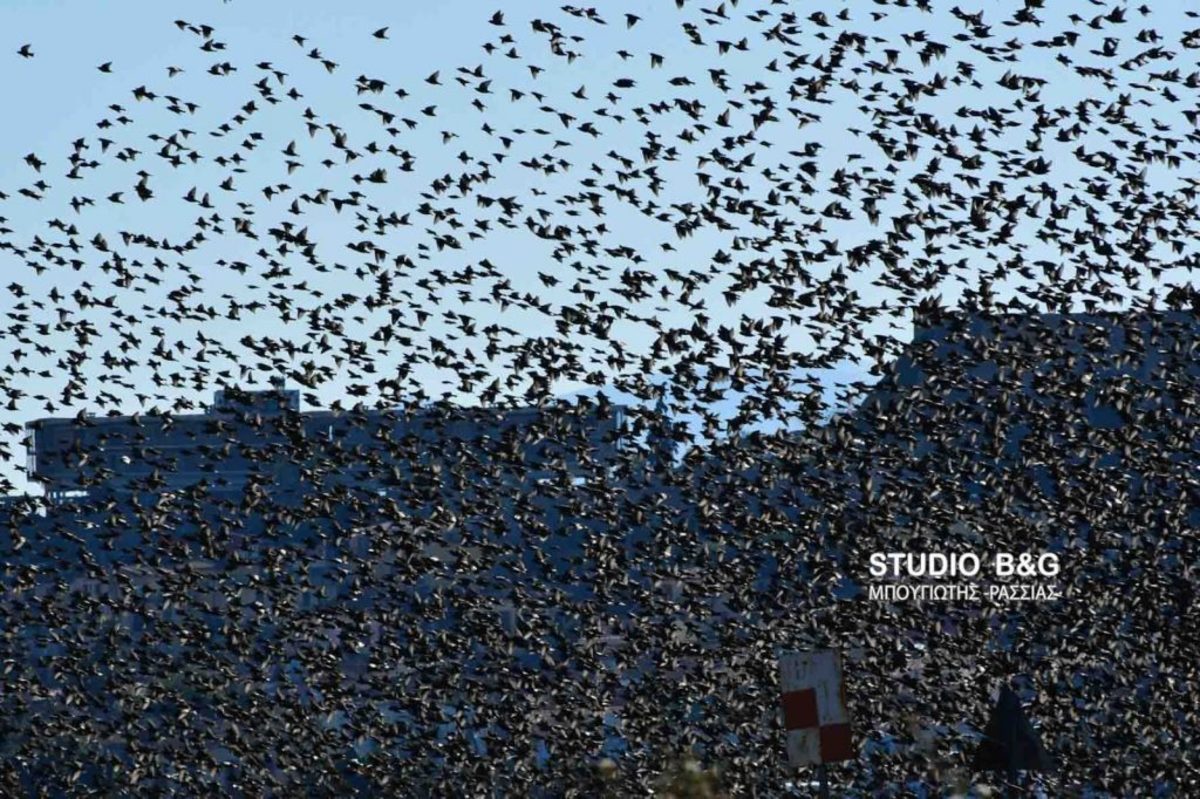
pixel 263 438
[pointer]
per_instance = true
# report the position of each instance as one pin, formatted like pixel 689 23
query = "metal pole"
pixel 823 782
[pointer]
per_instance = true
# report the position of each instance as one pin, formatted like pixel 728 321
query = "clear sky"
pixel 59 95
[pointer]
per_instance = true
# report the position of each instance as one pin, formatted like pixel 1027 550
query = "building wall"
pixel 266 439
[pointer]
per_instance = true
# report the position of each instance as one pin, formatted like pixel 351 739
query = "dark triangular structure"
pixel 1010 742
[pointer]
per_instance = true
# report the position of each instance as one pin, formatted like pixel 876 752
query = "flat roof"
pixel 397 413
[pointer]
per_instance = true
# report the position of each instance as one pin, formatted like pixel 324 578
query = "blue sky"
pixel 59 96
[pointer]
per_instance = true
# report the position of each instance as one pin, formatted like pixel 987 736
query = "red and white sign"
pixel 814 708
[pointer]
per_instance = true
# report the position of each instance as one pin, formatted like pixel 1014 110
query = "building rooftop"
pixel 265 434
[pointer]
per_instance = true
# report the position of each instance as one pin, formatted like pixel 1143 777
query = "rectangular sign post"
pixel 814 710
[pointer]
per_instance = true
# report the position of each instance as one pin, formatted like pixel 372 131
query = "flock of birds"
pixel 768 194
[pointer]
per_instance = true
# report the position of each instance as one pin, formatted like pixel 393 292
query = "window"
pixel 31 451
